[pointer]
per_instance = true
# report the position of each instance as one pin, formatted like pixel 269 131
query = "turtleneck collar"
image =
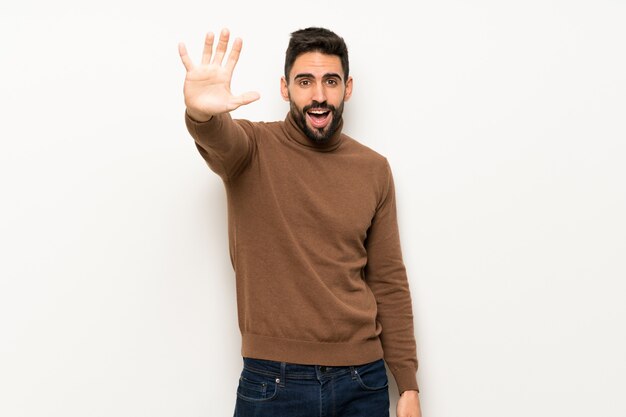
pixel 295 134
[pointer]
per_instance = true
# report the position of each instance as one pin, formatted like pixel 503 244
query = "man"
pixel 322 293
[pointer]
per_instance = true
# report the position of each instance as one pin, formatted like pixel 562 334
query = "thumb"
pixel 247 98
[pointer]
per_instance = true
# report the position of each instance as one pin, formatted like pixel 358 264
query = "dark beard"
pixel 318 136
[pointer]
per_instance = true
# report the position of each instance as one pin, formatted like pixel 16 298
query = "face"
pixel 316 91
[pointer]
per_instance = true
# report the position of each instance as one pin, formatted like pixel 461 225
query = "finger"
pixel 208 48
pixel 247 98
pixel 233 57
pixel 222 44
pixel 182 51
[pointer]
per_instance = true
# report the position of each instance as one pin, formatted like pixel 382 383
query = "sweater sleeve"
pixel 385 273
pixel 226 145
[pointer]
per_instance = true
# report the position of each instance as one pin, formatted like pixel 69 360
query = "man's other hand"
pixel 409 404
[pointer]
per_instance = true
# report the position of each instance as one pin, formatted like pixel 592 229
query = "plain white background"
pixel 503 122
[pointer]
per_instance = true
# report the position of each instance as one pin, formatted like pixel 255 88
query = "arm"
pixel 386 275
pixel 225 145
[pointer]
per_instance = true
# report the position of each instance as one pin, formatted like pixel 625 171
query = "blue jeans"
pixel 279 389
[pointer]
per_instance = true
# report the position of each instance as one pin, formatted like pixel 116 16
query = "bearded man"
pixel 323 299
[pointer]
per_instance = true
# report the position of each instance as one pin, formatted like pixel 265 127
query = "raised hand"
pixel 207 85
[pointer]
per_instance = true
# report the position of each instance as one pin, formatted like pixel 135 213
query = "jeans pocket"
pixel 372 376
pixel 256 387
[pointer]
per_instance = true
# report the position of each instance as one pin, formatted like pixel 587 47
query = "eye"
pixel 332 82
pixel 304 83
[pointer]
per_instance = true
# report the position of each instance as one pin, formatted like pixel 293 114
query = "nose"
pixel 319 94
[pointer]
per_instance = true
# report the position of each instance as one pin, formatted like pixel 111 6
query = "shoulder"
pixel 364 152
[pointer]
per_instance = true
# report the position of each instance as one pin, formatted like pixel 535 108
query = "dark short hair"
pixel 316 39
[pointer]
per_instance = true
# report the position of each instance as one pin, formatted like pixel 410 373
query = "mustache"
pixel 317 105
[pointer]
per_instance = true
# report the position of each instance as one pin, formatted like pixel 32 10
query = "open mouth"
pixel 319 118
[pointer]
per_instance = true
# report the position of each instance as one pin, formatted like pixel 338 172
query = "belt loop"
pixel 283 366
pixel 353 372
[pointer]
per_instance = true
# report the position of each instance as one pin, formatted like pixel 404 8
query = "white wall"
pixel 504 125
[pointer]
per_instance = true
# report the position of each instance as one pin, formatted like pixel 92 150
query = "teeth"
pixel 318 111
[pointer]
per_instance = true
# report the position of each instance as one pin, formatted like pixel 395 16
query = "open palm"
pixel 207 85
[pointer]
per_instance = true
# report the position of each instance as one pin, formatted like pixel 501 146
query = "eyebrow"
pixel 309 75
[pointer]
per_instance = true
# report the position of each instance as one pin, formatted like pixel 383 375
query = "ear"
pixel 284 89
pixel 348 93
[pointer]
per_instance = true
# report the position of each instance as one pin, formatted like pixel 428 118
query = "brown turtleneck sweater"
pixel 314 244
